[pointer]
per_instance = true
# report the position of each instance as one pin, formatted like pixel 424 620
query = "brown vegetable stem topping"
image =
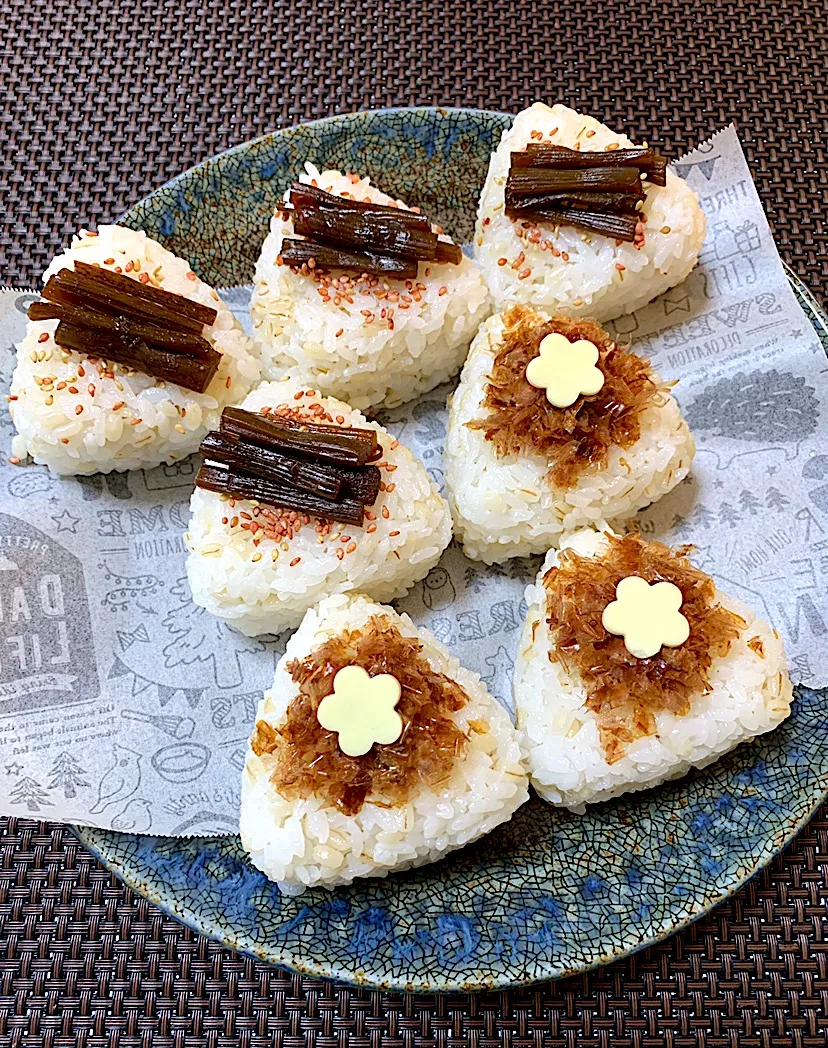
pixel 618 203
pixel 308 761
pixel 563 186
pixel 343 444
pixel 229 481
pixel 539 154
pixel 519 419
pixel 298 253
pixel 129 351
pixel 111 316
pixel 359 236
pixel 318 469
pixel 625 692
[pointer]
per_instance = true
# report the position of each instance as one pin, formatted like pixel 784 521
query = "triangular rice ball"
pixel 597 721
pixel 261 582
pixel 313 816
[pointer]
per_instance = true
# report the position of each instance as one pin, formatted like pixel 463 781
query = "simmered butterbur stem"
pixel 349 447
pixel 327 481
pixel 265 462
pixel 352 228
pixel 621 227
pixel 448 253
pixel 170 340
pixel 304 196
pixel 616 203
pixel 542 155
pixel 298 253
pixel 532 181
pixel 239 485
pixel 194 373
pixel 108 292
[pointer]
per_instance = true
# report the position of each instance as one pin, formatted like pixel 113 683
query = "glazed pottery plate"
pixel 550 893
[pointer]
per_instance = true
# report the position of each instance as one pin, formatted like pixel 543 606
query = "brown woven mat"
pixel 102 101
pixel 84 958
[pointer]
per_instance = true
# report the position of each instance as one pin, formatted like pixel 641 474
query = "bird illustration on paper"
pixel 135 818
pixel 120 780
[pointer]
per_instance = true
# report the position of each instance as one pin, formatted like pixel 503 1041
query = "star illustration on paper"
pixel 66 522
pixel 565 370
pixel 14 768
pixel 771 470
pixel 646 616
pixel 718 483
pixel 361 710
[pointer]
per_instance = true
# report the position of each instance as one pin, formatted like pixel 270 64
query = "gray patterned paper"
pixel 124 706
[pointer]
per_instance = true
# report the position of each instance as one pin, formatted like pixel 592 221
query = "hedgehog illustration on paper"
pixel 762 407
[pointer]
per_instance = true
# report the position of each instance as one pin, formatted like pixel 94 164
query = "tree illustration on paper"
pixel 67 774
pixel 29 792
pixel 701 517
pixel 749 502
pixel 775 499
pixel 475 580
pixel 200 637
pixel 763 407
pixel 728 514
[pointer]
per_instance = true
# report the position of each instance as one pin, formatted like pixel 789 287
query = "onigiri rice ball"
pixel 627 724
pixel 374 342
pixel 563 268
pixel 313 817
pixel 263 581
pixel 511 504
pixel 78 417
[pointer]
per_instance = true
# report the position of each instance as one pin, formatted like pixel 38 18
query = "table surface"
pixel 103 101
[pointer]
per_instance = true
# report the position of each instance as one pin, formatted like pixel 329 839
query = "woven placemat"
pixel 103 101
pixel 84 958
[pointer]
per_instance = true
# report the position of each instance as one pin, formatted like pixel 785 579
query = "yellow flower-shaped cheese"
pixel 566 370
pixel 646 616
pixel 361 710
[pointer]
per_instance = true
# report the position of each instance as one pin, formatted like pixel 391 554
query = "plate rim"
pixel 270 954
pixel 334 118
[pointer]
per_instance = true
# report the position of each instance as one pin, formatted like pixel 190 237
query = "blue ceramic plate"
pixel 550 893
